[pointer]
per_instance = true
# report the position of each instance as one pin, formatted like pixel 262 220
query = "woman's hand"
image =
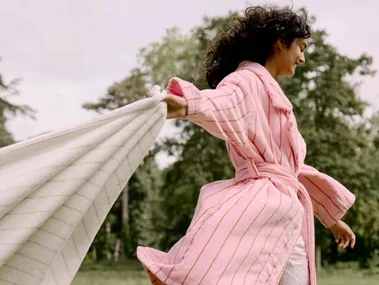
pixel 343 234
pixel 176 106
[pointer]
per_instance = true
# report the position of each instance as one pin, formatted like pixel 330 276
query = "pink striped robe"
pixel 245 228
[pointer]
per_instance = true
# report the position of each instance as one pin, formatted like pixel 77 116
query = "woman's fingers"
pixel 352 243
pixel 343 235
pixel 346 243
pixel 346 240
pixel 342 242
pixel 176 106
pixel 351 237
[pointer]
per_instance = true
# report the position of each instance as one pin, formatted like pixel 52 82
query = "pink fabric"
pixel 296 270
pixel 245 228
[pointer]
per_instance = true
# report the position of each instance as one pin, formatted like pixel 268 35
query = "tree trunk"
pixel 124 220
pixel 108 231
pixel 94 254
pixel 117 250
pixel 318 258
pixel 125 203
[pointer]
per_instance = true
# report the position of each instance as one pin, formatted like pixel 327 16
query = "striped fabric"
pixel 56 190
pixel 296 270
pixel 244 229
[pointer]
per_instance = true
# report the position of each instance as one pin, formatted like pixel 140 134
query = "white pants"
pixel 296 270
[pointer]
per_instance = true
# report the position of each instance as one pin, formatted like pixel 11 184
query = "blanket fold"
pixel 57 189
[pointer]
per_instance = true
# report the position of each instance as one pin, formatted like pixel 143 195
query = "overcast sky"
pixel 68 52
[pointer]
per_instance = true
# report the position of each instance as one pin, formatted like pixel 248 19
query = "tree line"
pixel 157 205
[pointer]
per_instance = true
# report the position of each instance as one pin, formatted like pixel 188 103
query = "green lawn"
pixel 132 274
pixel 345 277
pixel 111 278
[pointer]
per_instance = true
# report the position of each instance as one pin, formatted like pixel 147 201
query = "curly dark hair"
pixel 252 37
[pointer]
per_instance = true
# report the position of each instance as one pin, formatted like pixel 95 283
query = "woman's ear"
pixel 280 44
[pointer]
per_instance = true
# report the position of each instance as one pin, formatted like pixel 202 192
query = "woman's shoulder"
pixel 243 78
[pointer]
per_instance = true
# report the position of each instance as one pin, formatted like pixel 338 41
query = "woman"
pixel 258 227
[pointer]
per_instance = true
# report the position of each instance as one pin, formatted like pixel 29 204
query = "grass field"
pixel 131 273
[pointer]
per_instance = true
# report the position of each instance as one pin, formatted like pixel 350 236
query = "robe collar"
pixel 278 98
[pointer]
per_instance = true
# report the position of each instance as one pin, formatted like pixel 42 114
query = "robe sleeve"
pixel 330 199
pixel 223 112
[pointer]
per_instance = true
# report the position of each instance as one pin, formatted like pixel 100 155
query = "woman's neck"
pixel 272 69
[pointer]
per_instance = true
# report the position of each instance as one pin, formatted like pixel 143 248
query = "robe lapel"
pixel 280 101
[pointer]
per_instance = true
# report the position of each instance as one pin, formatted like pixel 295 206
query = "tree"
pixel 341 141
pixel 130 221
pixel 330 116
pixel 121 93
pixel 201 158
pixel 143 215
pixel 365 214
pixel 329 113
pixel 8 110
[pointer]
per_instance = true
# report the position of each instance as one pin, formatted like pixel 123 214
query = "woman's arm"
pixel 331 200
pixel 224 112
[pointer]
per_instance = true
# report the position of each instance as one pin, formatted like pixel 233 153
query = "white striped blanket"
pixel 57 189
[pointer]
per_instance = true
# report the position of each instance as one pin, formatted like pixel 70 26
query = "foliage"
pixel 138 226
pixel 341 141
pixel 8 109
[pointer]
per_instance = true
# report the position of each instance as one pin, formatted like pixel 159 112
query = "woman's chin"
pixel 289 73
pixel 292 71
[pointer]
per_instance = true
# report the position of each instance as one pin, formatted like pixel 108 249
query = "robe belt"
pixel 269 170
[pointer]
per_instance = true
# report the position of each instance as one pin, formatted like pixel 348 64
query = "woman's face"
pixel 288 58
